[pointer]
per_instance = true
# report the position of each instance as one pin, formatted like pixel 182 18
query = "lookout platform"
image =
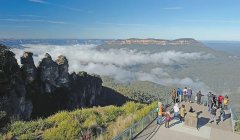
pixel 206 130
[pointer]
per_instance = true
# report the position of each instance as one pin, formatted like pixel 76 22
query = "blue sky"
pixel 106 19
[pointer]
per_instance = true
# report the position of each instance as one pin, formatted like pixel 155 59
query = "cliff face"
pixel 182 41
pixel 29 71
pixel 13 94
pixel 30 91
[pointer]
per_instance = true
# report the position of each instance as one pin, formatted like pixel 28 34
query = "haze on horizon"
pixel 108 19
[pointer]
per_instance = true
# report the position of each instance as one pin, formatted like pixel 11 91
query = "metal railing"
pixel 137 127
pixel 235 119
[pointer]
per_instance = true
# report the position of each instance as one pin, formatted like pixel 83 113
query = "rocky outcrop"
pixel 13 94
pixel 30 91
pixel 182 41
pixel 28 68
pixel 63 79
pixel 82 85
pixel 49 73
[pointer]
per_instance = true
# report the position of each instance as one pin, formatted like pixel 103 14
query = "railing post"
pixel 130 133
pixel 232 120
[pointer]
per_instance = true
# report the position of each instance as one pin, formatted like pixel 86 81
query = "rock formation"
pixel 49 73
pixel 63 79
pixel 28 68
pixel 13 94
pixel 30 91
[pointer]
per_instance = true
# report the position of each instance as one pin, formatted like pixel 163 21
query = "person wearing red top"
pixel 220 99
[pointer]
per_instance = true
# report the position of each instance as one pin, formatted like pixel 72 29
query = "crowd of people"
pixel 185 95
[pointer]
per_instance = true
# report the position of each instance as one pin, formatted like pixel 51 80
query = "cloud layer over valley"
pixel 116 62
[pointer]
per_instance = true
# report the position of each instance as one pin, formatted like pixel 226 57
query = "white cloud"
pixel 33 20
pixel 211 21
pixel 62 6
pixel 118 57
pixel 115 62
pixel 37 1
pixel 120 24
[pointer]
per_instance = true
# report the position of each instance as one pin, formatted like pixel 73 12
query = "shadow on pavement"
pixel 202 121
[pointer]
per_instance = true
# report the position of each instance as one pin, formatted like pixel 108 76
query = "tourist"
pixel 225 102
pixel 176 110
pixel 222 114
pixel 168 119
pixel 214 100
pixel 210 101
pixel 160 113
pixel 174 95
pixel 199 96
pixel 220 100
pixel 182 113
pixel 189 95
pixel 185 94
pixel 213 114
pixel 180 94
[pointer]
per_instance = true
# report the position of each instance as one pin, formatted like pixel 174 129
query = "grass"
pixel 81 123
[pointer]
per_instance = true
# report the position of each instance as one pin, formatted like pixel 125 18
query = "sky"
pixel 120 19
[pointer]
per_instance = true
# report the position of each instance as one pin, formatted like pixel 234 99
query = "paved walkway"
pixel 206 131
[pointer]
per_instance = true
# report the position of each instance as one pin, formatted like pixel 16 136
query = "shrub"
pixel 237 127
pixel 132 107
pixel 67 129
pixel 29 129
pixel 81 123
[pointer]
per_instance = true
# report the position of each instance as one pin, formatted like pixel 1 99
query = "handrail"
pixel 136 128
pixel 234 119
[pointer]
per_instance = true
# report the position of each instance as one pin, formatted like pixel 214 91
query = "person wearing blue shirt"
pixel 180 94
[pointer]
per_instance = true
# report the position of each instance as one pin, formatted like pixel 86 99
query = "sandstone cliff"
pixel 13 95
pixel 182 41
pixel 28 91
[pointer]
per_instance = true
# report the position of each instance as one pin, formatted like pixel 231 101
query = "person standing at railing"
pixel 226 102
pixel 160 113
pixel 185 94
pixel 174 95
pixel 199 96
pixel 189 95
pixel 210 101
pixel 214 99
pixel 180 94
pixel 220 100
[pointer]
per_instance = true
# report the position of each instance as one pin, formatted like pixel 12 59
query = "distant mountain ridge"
pixel 164 42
